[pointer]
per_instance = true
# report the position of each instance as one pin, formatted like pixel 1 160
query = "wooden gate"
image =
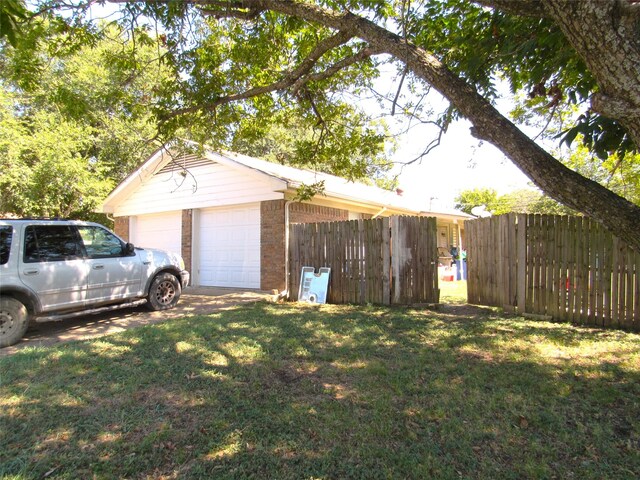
pixel 381 261
pixel 566 268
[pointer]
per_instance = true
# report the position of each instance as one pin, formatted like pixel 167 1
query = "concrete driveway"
pixel 194 300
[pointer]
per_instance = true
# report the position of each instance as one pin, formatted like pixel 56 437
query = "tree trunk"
pixel 605 34
pixel 566 186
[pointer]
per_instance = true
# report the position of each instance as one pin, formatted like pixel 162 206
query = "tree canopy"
pixel 78 116
pixel 73 123
pixel 517 201
pixel 233 59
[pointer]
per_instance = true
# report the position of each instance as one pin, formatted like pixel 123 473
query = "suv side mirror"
pixel 129 248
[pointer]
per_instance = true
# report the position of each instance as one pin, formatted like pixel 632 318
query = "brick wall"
pixel 121 227
pixel 272 237
pixel 187 229
pixel 272 245
pixel 305 213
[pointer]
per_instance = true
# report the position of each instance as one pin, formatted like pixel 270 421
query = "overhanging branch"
pixel 335 68
pixel 288 79
pixel 560 182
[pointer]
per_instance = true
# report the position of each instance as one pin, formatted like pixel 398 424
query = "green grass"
pixel 307 392
pixel 453 292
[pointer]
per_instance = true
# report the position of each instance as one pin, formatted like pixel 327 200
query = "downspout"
pixel 382 210
pixel 285 293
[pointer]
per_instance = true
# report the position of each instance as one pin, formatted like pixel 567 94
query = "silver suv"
pixel 54 269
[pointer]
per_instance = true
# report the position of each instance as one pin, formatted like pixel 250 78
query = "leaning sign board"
pixel 313 286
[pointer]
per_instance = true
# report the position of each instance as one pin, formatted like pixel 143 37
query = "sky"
pixel 460 162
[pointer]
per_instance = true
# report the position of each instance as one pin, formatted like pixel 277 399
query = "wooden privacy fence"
pixel 568 268
pixel 382 261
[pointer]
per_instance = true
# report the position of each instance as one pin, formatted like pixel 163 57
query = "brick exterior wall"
pixel 272 237
pixel 187 235
pixel 272 245
pixel 121 227
pixel 305 213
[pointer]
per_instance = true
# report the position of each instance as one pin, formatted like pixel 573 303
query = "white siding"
pixel 206 186
pixel 162 231
pixel 229 247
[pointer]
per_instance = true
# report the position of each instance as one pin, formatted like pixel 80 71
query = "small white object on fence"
pixel 313 286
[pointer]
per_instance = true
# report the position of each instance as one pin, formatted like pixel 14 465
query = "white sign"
pixel 314 286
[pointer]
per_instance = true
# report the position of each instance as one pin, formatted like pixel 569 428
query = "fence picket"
pixel 363 267
pixel 602 284
pixel 567 267
pixel 591 262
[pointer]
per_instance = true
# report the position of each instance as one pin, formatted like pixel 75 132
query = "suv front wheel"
pixel 14 321
pixel 164 293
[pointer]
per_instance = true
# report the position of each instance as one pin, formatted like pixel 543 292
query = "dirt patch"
pixel 194 301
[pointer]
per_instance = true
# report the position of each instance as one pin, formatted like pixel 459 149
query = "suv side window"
pixel 51 243
pixel 101 243
pixel 6 234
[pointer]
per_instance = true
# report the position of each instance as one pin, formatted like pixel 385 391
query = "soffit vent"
pixel 186 162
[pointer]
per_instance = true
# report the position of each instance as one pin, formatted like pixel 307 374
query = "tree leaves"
pixel 601 135
pixel 78 127
pixel 12 13
pixel 520 201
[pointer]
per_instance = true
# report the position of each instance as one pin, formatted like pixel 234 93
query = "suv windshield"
pixel 6 234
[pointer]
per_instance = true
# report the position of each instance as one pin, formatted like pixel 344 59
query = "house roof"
pixel 287 179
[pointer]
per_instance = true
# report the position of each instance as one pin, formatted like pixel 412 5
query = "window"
pixel 6 234
pixel 101 243
pixel 51 243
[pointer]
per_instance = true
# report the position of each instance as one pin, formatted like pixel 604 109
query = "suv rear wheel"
pixel 14 321
pixel 164 293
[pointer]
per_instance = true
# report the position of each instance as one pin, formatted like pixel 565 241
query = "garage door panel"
pixel 230 247
pixel 161 231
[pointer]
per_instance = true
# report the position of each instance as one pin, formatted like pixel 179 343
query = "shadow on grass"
pixel 290 391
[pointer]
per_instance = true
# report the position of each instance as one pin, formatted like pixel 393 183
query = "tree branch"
pixel 395 99
pixel 333 69
pixel 613 107
pixel 560 182
pixel 289 78
pixel 230 10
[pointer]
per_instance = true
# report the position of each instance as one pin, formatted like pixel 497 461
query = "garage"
pixel 229 246
pixel 162 231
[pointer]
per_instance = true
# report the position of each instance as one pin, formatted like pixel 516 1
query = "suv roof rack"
pixel 51 219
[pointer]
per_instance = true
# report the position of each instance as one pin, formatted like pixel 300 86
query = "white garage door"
pixel 230 247
pixel 162 231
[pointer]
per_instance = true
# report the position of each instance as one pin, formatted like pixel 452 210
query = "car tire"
pixel 14 320
pixel 164 292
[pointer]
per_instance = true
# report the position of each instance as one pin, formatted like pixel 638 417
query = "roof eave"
pixel 355 202
pixel 136 178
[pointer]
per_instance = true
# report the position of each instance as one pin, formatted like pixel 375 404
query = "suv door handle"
pixel 98 267
pixel 33 271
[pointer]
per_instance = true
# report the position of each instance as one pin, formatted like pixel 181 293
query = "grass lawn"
pixel 271 391
pixel 453 292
